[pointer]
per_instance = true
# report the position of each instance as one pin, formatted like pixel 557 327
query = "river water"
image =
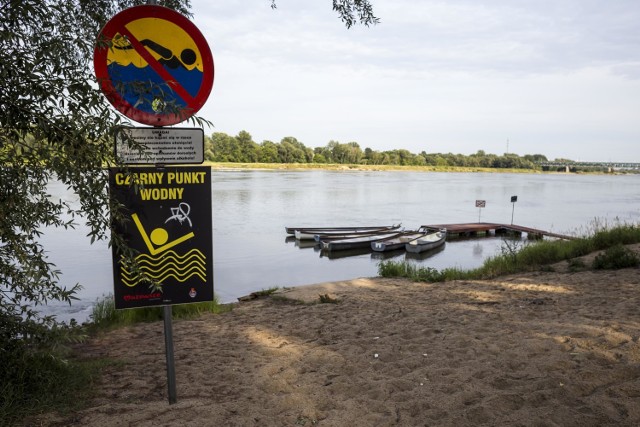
pixel 252 207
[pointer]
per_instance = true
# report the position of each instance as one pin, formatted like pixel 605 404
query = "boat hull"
pixel 426 243
pixel 327 237
pixel 397 242
pixel 309 233
pixel 355 243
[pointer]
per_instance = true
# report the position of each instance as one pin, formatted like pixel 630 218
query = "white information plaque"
pixel 160 145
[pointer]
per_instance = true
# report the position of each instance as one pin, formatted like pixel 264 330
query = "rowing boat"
pixel 337 232
pixel 292 230
pixel 356 242
pixel 427 242
pixel 398 242
pixel 365 233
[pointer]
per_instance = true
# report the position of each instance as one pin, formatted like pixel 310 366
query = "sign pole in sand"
pixel 171 365
pixel 155 67
pixel 168 213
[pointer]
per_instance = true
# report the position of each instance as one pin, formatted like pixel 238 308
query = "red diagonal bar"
pixel 157 67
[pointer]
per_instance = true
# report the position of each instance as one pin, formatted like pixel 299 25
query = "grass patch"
pixel 105 315
pixel 37 378
pixel 259 294
pixel 34 381
pixel 420 274
pixel 266 292
pixel 518 256
pixel 616 257
pixel 577 264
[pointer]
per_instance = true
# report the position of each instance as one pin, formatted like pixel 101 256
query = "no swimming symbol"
pixel 154 65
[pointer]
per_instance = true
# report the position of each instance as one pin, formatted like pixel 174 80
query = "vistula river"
pixel 252 207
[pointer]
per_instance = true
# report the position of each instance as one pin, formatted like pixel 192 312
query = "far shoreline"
pixel 387 168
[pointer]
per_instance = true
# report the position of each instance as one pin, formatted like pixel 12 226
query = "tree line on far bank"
pixel 220 147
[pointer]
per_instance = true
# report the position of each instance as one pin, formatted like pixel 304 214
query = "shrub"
pixel 576 264
pixel 405 269
pixel 35 371
pixel 616 257
pixel 622 234
pixel 516 256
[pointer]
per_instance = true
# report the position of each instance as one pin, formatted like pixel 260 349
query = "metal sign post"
pixel 514 199
pixel 480 204
pixel 168 344
pixel 169 214
pixel 169 208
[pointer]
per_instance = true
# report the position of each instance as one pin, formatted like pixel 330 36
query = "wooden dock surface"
pixel 470 229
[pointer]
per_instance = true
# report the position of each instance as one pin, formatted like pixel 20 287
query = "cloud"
pixel 458 75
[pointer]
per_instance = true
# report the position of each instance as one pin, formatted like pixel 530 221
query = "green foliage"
pixel 623 234
pixel 105 315
pixel 266 292
pixel 54 124
pixel 405 269
pixel 36 374
pixel 576 264
pixel 221 147
pixel 421 274
pixel 535 255
pixel 616 257
pixel 351 12
pixel 517 256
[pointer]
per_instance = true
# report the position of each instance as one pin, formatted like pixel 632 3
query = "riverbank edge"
pixel 386 168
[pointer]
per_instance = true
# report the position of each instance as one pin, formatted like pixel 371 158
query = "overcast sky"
pixel 553 77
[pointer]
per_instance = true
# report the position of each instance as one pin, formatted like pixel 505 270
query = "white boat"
pixel 398 242
pixel 356 242
pixel 428 242
pixel 337 232
pixel 364 233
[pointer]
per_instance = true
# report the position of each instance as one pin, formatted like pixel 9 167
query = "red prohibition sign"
pixel 153 65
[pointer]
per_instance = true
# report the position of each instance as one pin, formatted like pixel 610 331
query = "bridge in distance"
pixel 605 165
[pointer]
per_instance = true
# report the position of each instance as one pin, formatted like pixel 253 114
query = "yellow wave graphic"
pixel 172 37
pixel 180 276
pixel 171 256
pixel 166 265
pixel 153 273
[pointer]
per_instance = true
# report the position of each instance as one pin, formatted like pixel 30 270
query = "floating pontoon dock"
pixel 487 228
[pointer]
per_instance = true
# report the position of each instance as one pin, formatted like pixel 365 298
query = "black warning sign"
pixel 169 222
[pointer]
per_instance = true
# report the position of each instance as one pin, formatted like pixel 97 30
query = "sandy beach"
pixel 537 349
